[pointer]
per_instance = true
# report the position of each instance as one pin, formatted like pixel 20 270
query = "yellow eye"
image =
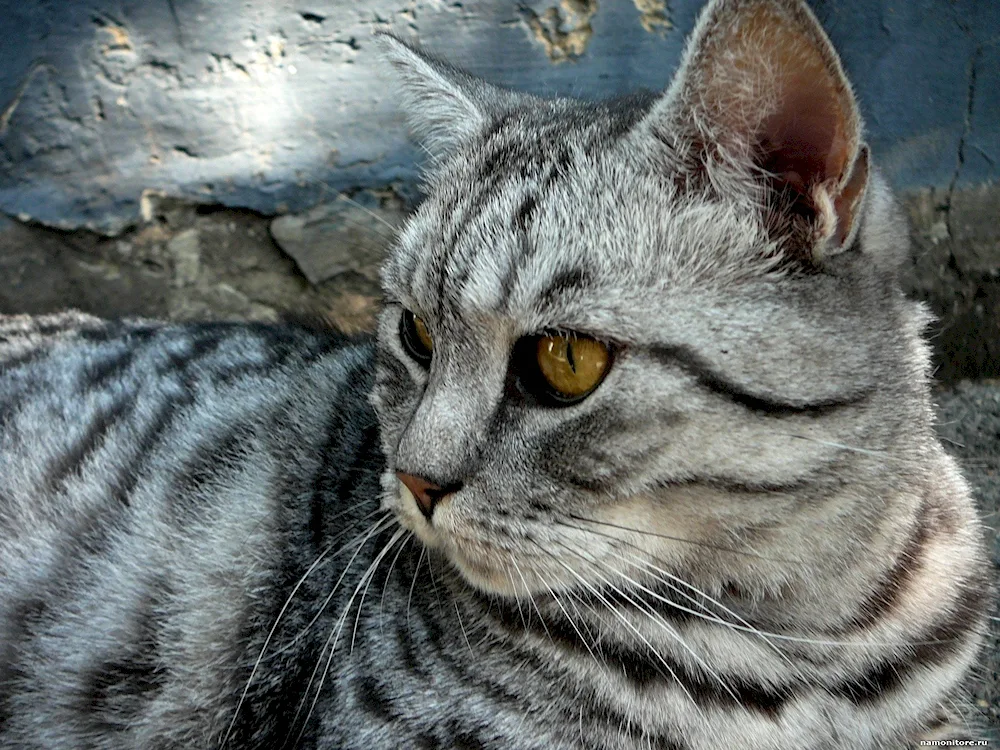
pixel 572 366
pixel 423 334
pixel 416 338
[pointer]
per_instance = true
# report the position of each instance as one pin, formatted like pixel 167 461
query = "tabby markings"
pixel 697 367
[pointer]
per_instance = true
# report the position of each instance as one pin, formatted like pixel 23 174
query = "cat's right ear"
pixel 445 107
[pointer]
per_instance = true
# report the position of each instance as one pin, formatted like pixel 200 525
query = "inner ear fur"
pixel 764 90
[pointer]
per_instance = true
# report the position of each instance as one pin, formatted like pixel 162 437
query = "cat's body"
pixel 653 463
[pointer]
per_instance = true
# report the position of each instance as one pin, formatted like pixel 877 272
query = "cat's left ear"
pixel 445 107
pixel 761 92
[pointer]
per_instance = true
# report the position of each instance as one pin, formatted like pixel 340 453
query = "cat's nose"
pixel 425 491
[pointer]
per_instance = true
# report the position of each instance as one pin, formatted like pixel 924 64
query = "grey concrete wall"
pixel 276 105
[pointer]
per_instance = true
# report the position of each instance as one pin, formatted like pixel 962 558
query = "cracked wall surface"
pixel 276 105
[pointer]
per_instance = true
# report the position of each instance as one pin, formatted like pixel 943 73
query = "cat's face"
pixel 608 342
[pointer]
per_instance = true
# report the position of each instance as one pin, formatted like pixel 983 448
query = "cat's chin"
pixel 484 577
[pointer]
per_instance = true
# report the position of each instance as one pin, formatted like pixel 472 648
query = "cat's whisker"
pixel 318 562
pixel 376 528
pixel 327 189
pixel 779 636
pixel 572 623
pixel 663 576
pixel 361 540
pixel 707 545
pixel 576 599
pixel 366 227
pixel 380 219
pixel 652 614
pixel 388 577
pixel 413 583
pixel 517 599
pixel 532 600
pixel 768 636
pixel 334 637
pixel 434 586
pixel 465 633
pixel 392 541
pixel 624 620
pixel 804 639
pixel 882 455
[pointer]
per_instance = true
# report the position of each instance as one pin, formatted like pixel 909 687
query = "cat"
pixel 640 456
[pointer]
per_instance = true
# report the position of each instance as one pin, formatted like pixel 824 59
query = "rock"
pixel 337 237
pixel 186 253
pixel 969 425
pixel 955 269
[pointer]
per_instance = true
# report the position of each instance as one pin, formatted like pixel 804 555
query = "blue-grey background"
pixel 275 105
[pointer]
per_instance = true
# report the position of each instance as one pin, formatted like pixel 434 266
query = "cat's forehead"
pixel 535 222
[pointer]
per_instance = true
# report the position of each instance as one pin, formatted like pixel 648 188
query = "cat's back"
pixel 155 480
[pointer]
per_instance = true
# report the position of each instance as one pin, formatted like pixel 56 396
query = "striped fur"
pixel 747 536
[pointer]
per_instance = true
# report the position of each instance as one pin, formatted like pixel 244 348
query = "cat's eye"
pixel 569 367
pixel 416 338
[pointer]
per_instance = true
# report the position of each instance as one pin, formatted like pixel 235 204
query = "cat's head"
pixel 638 331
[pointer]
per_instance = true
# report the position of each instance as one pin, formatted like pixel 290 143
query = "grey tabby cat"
pixel 651 462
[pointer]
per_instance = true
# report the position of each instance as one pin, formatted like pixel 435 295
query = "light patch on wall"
pixel 654 15
pixel 564 31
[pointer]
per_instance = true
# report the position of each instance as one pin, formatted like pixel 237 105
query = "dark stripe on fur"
pixel 74 457
pixel 885 599
pixel 517 263
pixel 98 374
pixel 694 365
pixel 215 457
pixel 564 284
pixel 641 667
pixel 597 466
pixel 154 433
pixel 525 212
pixel 933 647
pixel 118 689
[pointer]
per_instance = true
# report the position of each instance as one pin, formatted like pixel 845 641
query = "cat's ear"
pixel 761 88
pixel 445 107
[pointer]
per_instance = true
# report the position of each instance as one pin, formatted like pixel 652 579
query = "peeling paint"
pixel 117 40
pixel 564 32
pixel 654 15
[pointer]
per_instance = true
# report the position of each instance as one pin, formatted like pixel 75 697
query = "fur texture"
pixel 746 536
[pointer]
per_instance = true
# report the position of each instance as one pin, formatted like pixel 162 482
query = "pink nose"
pixel 426 492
